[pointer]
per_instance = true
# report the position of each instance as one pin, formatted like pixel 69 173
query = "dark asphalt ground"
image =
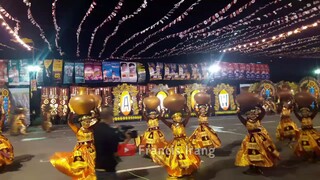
pixel 32 153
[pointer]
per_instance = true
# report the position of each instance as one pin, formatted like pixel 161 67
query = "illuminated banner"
pixel 141 73
pixel 68 73
pixel 155 71
pixel 39 76
pixel 171 72
pixel 184 72
pixel 57 70
pixel 204 71
pixel 3 72
pixel 97 71
pixel 14 73
pixel 79 72
pixel 111 71
pixel 128 72
pixel 195 72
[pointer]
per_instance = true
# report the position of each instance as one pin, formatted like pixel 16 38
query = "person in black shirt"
pixel 106 141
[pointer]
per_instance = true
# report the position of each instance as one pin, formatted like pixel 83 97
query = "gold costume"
pixel 204 136
pixel 18 125
pixel 178 157
pixel 80 163
pixel 287 129
pixel 309 139
pixel 6 151
pixel 153 138
pixel 257 149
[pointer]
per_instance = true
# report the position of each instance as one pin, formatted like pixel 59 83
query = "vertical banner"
pixel 20 97
pixel 128 72
pixel 224 70
pixel 236 69
pixel 68 73
pixel 47 78
pixel 195 72
pixel 39 76
pixel 3 72
pixel 88 71
pixel 97 71
pixel 267 69
pixel 174 71
pixel 204 71
pixel 142 75
pixel 184 73
pixel 253 71
pixel 13 72
pixel 242 72
pixel 24 73
pixel 111 71
pixel 79 72
pixel 230 70
pixel 155 71
pixel 57 70
pixel 33 85
pixel 258 71
pixel 248 71
pixel 6 104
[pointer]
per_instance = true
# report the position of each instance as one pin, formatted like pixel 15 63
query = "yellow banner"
pixel 57 65
pixel 47 63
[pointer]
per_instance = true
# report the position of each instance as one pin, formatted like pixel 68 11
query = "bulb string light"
pixel 92 6
pixel 161 21
pixel 56 26
pixel 178 19
pixel 108 19
pixel 123 19
pixel 6 46
pixel 35 23
pixel 7 15
pixel 14 34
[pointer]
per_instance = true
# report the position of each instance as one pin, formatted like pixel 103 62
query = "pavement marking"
pixel 263 122
pixel 44 161
pixel 33 139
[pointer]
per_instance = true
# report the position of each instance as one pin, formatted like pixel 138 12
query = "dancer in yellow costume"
pixel 179 157
pixel 286 129
pixel 6 149
pixel 257 149
pixel 19 125
pixel 204 136
pixel 308 144
pixel 153 138
pixel 80 163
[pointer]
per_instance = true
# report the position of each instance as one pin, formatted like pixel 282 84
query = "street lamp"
pixel 317 71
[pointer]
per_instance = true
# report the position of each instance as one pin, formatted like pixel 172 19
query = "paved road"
pixel 34 150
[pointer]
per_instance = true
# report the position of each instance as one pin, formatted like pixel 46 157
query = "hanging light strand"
pixel 123 19
pixel 34 22
pixel 57 28
pixel 7 15
pixel 92 6
pixel 161 21
pixel 108 19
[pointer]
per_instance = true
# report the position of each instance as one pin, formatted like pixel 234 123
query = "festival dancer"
pixel 6 149
pixel 153 138
pixel 179 157
pixel 257 149
pixel 46 115
pixel 308 144
pixel 19 125
pixel 78 164
pixel 204 137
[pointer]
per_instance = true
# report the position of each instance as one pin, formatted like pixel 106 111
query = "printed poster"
pixel 184 73
pixel 14 72
pixel 247 71
pixel 88 71
pixel 195 72
pixel 68 73
pixel 128 72
pixel 253 71
pixel 57 70
pixel 97 71
pixel 242 71
pixel 39 76
pixel 24 73
pixel 258 71
pixel 111 71
pixel 142 75
pixel 79 72
pixel 155 71
pixel 47 78
pixel 224 70
pixel 204 71
pixel 267 69
pixel 230 71
pixel 236 68
pixel 3 72
pixel 170 72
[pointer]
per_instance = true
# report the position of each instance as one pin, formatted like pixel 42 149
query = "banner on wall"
pixel 39 76
pixel 57 70
pixel 155 71
pixel 184 72
pixel 13 72
pixel 204 71
pixel 88 71
pixel 97 71
pixel 142 75
pixel 24 74
pixel 195 72
pixel 171 72
pixel 68 73
pixel 3 72
pixel 111 71
pixel 128 72
pixel 47 78
pixel 20 97
pixel 79 72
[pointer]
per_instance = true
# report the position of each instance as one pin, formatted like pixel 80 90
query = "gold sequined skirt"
pixel 6 151
pixel 178 157
pixel 308 142
pixel 257 149
pixel 205 137
pixel 78 164
pixel 152 140
pixel 287 129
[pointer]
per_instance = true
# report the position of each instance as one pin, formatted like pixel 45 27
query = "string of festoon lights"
pixel 273 24
pixel 272 39
pixel 6 46
pixel 123 19
pixel 57 28
pixel 14 34
pixel 108 19
pixel 178 19
pixel 92 5
pixel 4 13
pixel 181 34
pixel 34 22
pixel 159 22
